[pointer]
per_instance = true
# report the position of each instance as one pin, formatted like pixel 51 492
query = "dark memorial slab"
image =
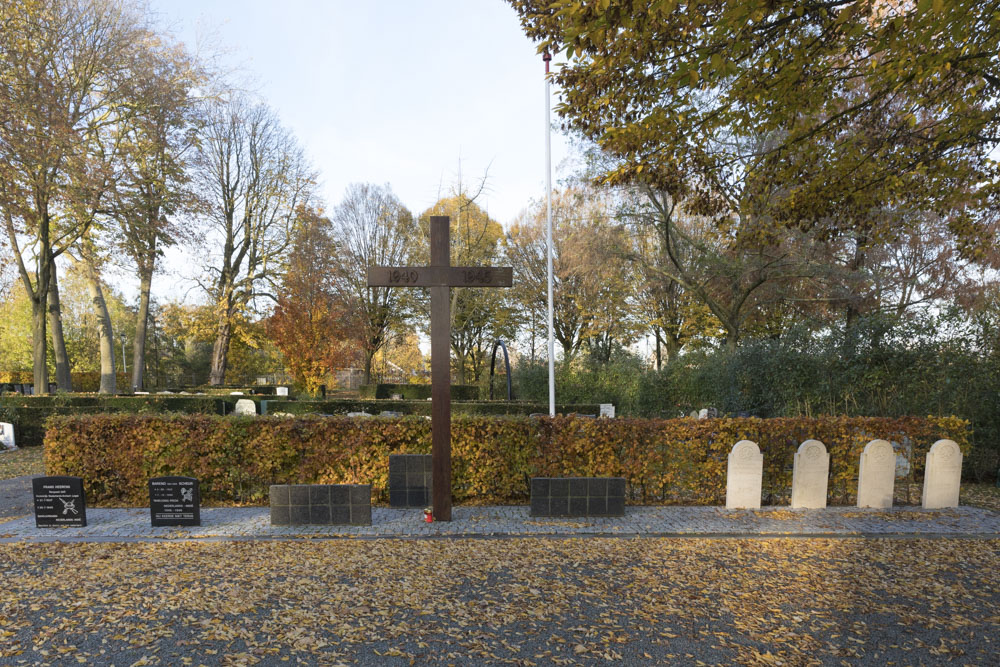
pixel 578 496
pixel 174 501
pixel 59 501
pixel 440 276
pixel 321 504
pixel 410 480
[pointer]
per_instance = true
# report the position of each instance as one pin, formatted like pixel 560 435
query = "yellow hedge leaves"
pixel 493 458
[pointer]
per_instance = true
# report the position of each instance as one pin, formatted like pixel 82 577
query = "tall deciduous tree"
pixel 61 62
pixel 860 99
pixel 254 177
pixel 372 228
pixel 309 323
pixel 154 185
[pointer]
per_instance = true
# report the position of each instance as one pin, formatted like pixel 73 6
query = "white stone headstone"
pixel 282 391
pixel 743 476
pixel 943 475
pixel 877 475
pixel 245 406
pixel 359 414
pixel 236 393
pixel 608 410
pixel 142 393
pixel 7 436
pixel 703 413
pixel 810 475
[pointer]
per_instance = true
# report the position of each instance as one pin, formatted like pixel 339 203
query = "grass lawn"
pixel 509 601
pixel 24 461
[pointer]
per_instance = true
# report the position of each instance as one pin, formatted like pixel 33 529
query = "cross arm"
pixel 434 276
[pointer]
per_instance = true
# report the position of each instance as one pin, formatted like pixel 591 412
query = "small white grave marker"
pixel 743 476
pixel 943 475
pixel 7 436
pixel 236 393
pixel 282 391
pixel 810 475
pixel 608 410
pixel 877 475
pixel 245 406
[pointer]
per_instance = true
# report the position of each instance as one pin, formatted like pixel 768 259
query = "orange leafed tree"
pixel 308 324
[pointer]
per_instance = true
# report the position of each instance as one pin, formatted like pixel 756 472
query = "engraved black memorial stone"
pixel 174 501
pixel 59 501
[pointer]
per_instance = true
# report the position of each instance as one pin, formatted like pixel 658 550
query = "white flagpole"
pixel 548 213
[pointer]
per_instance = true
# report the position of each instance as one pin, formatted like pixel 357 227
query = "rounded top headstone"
pixel 812 450
pixel 745 450
pixel 880 451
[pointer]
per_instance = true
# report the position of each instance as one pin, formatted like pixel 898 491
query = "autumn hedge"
pixel 663 461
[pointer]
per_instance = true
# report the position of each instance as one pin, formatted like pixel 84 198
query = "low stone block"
pixel 578 496
pixel 321 504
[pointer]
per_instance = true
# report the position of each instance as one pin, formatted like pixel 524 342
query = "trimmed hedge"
pixel 493 459
pixel 32 411
pixel 417 392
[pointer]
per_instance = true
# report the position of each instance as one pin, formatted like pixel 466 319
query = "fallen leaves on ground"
pixel 511 601
pixel 986 496
pixel 24 461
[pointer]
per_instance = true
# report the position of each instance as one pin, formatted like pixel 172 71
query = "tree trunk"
pixel 369 360
pixel 674 346
pixel 220 353
pixel 38 346
pixel 656 335
pixel 141 320
pixel 63 378
pixel 106 342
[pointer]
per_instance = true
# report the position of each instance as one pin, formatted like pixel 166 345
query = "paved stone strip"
pixel 254 522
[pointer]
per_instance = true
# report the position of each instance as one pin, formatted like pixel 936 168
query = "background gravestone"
pixel 245 406
pixel 877 475
pixel 607 410
pixel 174 501
pixel 943 475
pixel 810 475
pixel 59 502
pixel 7 436
pixel 281 391
pixel 744 476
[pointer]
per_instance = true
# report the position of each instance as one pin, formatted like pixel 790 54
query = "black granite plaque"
pixel 577 496
pixel 174 501
pixel 59 501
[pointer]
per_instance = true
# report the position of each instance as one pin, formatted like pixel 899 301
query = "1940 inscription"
pixel 397 277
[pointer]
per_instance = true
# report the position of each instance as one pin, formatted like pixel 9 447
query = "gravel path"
pixel 500 521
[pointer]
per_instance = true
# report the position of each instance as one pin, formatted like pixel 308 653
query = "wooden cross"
pixel 440 276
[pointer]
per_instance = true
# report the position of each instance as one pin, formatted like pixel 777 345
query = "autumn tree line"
pixel 755 183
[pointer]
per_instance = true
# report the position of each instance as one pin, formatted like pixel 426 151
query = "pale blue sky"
pixel 391 91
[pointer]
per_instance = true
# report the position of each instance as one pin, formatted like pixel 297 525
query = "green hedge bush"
pixel 493 459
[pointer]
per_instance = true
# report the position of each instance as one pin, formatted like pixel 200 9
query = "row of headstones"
pixel 876 477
